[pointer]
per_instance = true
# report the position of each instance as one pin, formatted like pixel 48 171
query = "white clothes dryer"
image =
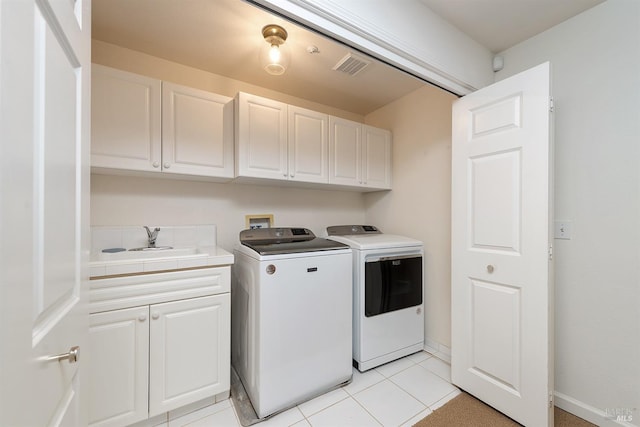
pixel 388 294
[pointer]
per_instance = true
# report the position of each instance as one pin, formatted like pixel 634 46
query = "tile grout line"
pixel 389 379
pixel 366 410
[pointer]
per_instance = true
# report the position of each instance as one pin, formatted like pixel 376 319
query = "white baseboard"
pixel 588 412
pixel 440 351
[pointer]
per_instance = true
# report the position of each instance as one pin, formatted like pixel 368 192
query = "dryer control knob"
pixel 271 269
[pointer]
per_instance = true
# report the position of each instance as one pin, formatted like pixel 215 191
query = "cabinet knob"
pixel 155 164
pixel 142 317
pixel 292 175
pixel 166 165
pixel 155 316
pixel 490 268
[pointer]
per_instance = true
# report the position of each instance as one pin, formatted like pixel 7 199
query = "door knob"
pixel 72 356
pixel 167 165
pixel 490 269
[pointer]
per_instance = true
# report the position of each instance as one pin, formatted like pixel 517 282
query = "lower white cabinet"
pixel 190 351
pixel 119 367
pixel 151 359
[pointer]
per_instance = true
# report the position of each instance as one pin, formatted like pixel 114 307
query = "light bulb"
pixel 274 53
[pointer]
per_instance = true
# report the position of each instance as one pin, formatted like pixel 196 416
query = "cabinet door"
pixel 125 120
pixel 376 157
pixel 261 137
pixel 197 132
pixel 118 373
pixel 190 351
pixel 308 145
pixel 345 152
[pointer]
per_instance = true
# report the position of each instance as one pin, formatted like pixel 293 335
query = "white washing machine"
pixel 388 294
pixel 291 316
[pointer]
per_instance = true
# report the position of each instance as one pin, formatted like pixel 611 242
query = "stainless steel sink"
pixel 146 252
pixel 155 248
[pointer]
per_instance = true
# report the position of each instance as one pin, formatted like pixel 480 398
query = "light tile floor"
pixel 399 393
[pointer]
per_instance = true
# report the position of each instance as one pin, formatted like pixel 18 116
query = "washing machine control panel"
pixel 347 230
pixel 275 234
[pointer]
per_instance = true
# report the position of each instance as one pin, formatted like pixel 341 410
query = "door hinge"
pixel 550 399
pixel 550 253
pixel 551 105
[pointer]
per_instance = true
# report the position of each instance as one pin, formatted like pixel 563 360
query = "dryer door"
pixel 392 283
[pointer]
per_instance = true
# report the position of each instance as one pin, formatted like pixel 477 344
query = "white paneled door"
pixel 502 329
pixel 44 189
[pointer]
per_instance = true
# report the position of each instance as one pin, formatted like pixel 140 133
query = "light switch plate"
pixel 563 230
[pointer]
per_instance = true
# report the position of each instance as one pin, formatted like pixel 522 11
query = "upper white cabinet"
pixel 308 145
pixel 376 157
pixel 345 152
pixel 197 132
pixel 359 155
pixel 261 137
pixel 143 124
pixel 279 141
pixel 125 120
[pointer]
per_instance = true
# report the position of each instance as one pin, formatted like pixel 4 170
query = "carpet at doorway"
pixel 467 411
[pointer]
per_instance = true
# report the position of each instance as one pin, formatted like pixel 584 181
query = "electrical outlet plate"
pixel 563 230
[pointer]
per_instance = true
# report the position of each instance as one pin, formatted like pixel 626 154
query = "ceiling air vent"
pixel 351 64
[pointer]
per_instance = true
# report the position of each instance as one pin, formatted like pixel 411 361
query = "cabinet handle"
pixel 292 175
pixel 72 356
pixel 167 165
pixel 142 317
pixel 155 164
pixel 155 316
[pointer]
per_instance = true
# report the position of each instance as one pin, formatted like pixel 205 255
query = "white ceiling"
pixel 224 37
pixel 501 24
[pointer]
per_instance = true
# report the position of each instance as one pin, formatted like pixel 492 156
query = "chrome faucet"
pixel 153 235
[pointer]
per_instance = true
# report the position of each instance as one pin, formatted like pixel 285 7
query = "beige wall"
pixel 119 200
pixel 419 205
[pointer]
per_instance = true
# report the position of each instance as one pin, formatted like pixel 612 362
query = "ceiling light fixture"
pixel 275 57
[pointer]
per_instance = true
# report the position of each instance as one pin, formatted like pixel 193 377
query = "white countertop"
pixel 102 264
